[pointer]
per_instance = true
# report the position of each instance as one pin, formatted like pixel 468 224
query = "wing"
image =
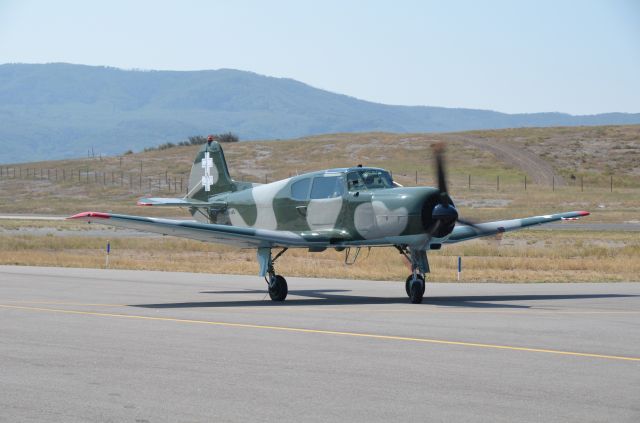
pixel 224 234
pixel 172 202
pixel 464 232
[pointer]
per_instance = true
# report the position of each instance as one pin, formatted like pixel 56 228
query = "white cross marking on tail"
pixel 207 164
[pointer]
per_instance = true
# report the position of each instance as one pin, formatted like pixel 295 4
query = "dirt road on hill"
pixel 537 169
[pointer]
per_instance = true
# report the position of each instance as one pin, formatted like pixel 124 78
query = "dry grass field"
pixel 526 256
pixel 566 169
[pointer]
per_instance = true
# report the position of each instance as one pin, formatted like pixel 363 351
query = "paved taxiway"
pixel 108 345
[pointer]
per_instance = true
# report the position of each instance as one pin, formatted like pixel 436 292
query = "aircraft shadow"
pixel 329 297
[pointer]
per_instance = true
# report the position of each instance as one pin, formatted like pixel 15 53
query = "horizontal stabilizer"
pixel 172 202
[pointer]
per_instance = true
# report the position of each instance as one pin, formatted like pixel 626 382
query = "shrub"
pixel 197 140
pixel 227 137
pixel 166 145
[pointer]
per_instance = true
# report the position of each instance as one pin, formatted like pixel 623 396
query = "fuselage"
pixel 346 204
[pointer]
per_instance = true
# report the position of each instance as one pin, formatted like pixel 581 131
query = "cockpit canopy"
pixel 368 179
pixel 335 183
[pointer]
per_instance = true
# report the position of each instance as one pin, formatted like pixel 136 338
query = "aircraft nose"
pixel 439 216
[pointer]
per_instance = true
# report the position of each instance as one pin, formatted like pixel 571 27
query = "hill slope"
pixel 60 110
pixel 475 160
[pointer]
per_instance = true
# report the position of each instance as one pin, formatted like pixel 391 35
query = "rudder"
pixel 209 173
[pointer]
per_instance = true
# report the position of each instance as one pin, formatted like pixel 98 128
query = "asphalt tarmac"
pixel 86 345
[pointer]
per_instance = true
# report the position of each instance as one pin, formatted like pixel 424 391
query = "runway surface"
pixel 80 345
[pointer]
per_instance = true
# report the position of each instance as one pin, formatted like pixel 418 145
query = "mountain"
pixel 61 110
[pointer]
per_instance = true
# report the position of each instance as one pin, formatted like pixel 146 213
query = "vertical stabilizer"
pixel 209 173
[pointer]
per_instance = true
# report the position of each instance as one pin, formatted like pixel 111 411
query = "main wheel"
pixel 407 284
pixel 416 291
pixel 278 289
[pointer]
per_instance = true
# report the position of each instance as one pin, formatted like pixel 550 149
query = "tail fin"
pixel 209 173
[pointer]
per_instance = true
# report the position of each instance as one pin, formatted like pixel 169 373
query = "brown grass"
pixel 528 256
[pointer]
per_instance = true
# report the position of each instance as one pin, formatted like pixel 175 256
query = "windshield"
pixel 368 179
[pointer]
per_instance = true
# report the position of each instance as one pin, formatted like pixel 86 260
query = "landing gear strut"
pixel 415 282
pixel 278 288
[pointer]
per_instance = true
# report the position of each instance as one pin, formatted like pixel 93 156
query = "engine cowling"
pixel 439 216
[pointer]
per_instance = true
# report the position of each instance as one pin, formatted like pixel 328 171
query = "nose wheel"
pixel 415 287
pixel 278 288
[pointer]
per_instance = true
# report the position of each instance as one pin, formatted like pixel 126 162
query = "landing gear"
pixel 278 288
pixel 414 284
pixel 416 290
pixel 410 278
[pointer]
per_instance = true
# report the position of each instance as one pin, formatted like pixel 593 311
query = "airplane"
pixel 342 208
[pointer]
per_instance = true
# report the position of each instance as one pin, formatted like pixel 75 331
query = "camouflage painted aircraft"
pixel 345 209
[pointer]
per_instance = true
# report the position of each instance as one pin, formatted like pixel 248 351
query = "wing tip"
pixel 144 203
pixel 583 213
pixel 89 214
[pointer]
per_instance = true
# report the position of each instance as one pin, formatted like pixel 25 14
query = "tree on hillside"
pixel 227 137
pixel 197 140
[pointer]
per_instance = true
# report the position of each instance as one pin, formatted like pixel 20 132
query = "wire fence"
pixel 133 181
pixel 140 180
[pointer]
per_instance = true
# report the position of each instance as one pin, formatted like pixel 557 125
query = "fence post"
pixel 553 182
pixel 469 182
pixel 525 182
pixel 416 177
pixel 498 183
pixel 611 183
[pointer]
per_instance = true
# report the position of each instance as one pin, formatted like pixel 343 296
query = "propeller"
pixel 444 215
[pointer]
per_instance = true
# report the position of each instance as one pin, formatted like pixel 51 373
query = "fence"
pixel 140 181
pixel 135 181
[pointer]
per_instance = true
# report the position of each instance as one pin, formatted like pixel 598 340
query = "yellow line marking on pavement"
pixel 325 332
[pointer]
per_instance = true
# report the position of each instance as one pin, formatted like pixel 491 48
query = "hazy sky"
pixel 579 57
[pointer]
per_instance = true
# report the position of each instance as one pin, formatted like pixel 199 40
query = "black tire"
pixel 279 290
pixel 416 292
pixel 407 284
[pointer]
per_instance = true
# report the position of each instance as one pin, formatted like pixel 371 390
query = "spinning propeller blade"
pixel 444 213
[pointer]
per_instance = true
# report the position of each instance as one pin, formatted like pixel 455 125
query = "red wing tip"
pixel 142 203
pixel 90 214
pixel 584 213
